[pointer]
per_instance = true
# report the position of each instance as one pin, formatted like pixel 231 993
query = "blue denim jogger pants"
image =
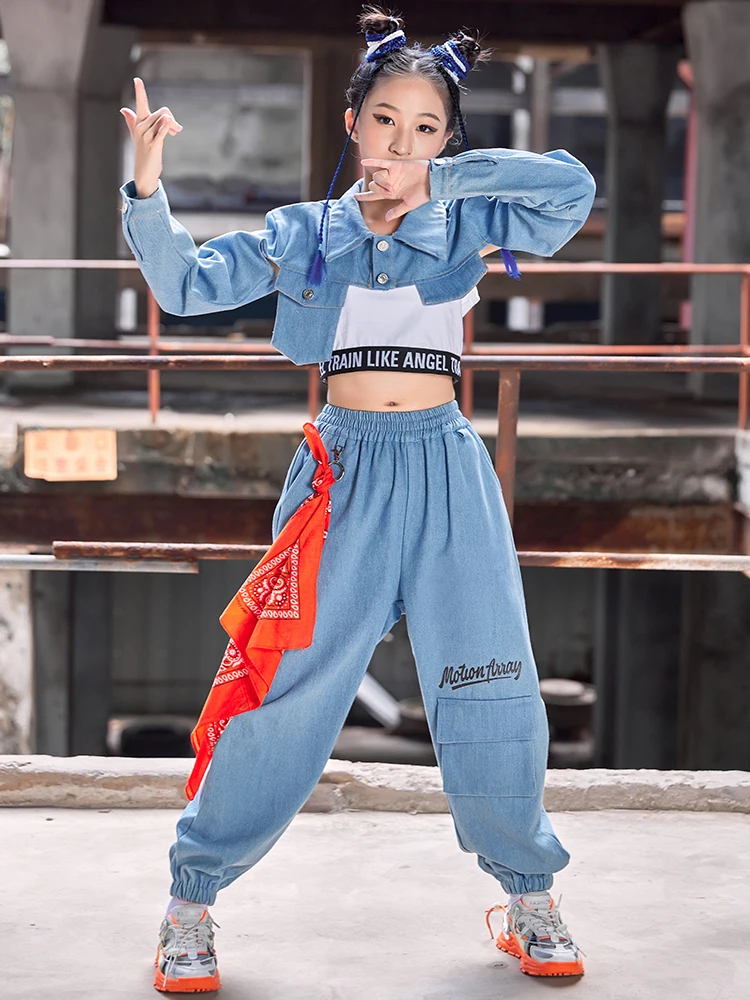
pixel 418 527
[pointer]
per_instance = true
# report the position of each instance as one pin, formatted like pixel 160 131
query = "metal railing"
pixel 155 344
pixel 506 359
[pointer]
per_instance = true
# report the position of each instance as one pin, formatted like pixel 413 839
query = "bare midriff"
pixel 389 390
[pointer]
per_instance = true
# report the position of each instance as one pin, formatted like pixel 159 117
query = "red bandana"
pixel 273 610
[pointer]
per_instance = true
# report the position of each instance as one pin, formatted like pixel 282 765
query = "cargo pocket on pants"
pixel 492 746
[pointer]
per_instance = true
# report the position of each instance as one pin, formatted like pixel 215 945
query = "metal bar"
pixel 507 435
pixel 223 346
pixel 142 556
pixel 633 560
pixel 560 362
pixel 744 389
pixel 128 343
pixel 46 562
pixel 608 267
pixel 154 550
pixel 636 350
pixel 233 362
pixel 467 377
pixel 154 386
pixel 530 267
pixel 313 392
pixel 379 702
pixel 73 264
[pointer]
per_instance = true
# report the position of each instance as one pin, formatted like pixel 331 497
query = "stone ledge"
pixel 563 456
pixel 158 783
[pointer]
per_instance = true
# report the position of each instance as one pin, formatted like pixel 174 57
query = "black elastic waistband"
pixel 424 361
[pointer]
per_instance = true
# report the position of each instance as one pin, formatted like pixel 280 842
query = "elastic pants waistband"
pixel 397 425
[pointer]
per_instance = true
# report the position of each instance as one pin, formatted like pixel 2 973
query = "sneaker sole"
pixel 185 984
pixel 533 968
pixel 199 984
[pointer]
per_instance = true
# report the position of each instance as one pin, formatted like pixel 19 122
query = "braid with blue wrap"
pixel 454 66
pixel 379 45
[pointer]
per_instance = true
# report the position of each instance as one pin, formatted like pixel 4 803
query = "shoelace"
pixel 185 935
pixel 544 922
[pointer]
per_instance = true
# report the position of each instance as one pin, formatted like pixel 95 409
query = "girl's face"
pixel 402 117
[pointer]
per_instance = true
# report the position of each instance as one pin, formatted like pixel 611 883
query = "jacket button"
pixel 308 293
pixel 382 278
pixel 382 244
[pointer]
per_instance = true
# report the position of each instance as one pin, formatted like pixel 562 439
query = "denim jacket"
pixel 501 197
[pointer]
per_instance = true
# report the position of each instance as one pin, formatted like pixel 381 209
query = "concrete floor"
pixel 376 906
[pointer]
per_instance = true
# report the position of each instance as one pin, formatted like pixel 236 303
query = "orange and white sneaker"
pixel 533 931
pixel 186 958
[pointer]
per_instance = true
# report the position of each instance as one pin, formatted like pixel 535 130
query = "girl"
pixel 373 286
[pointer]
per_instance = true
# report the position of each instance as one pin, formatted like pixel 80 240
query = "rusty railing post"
pixel 744 391
pixel 466 388
pixel 153 317
pixel 313 392
pixel 507 434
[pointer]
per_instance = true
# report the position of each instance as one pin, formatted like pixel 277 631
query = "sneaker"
pixel 185 958
pixel 533 931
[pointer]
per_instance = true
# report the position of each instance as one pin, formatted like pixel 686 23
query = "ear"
pixel 348 119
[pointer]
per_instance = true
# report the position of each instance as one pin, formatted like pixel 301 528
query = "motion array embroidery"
pixel 463 676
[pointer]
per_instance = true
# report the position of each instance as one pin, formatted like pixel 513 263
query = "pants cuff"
pixel 195 891
pixel 517 884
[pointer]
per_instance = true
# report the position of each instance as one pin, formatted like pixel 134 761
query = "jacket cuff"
pixel 440 178
pixel 133 205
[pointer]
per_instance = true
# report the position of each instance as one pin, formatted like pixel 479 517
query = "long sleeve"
pixel 518 200
pixel 223 273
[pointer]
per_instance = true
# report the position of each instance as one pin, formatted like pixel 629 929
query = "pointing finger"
pixel 141 99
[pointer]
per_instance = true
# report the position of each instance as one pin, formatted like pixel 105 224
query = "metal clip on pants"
pixel 418 527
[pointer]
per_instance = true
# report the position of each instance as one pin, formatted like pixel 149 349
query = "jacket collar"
pixel 423 228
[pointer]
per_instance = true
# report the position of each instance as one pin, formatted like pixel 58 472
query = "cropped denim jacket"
pixel 508 198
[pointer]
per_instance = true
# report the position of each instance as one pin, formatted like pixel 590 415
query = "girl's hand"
pixel 407 180
pixel 148 130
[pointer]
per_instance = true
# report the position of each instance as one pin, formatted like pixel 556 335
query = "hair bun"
pixel 383 30
pixel 469 47
pixel 458 55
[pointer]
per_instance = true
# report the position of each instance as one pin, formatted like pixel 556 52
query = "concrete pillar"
pixel 66 80
pixel 637 78
pixel 715 684
pixel 16 663
pixel 105 86
pixel 91 662
pixel 717 36
pixel 637 668
pixel 72 661
pixel 51 612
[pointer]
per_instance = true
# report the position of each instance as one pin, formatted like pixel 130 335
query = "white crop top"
pixel 394 331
